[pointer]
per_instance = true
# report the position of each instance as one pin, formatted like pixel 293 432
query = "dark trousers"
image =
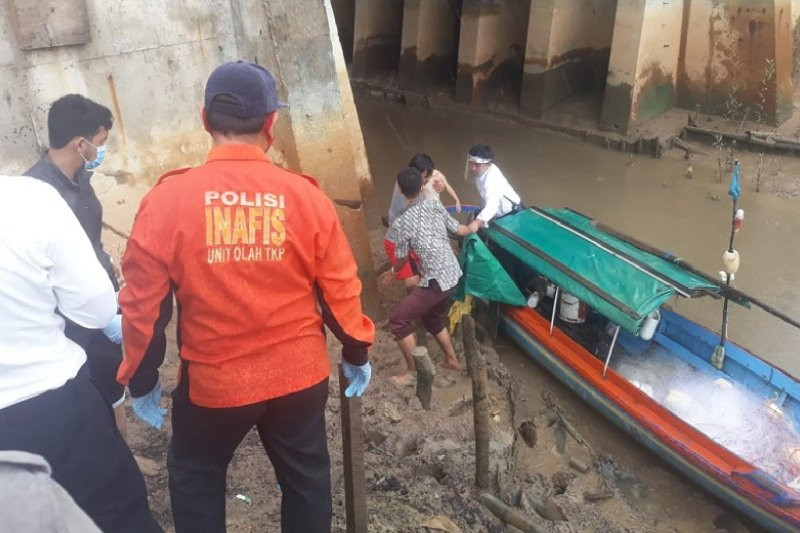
pixel 292 430
pixel 103 358
pixel 428 304
pixel 73 428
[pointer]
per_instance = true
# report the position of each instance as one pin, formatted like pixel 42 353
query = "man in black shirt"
pixel 78 129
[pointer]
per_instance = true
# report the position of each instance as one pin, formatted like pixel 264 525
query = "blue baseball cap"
pixel 242 90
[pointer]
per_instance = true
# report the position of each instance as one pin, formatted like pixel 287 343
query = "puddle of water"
pixel 646 198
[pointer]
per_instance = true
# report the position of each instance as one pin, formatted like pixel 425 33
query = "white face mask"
pixel 98 159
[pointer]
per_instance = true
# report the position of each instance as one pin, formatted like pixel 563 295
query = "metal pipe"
pixel 724 332
pixel 555 306
pixel 610 349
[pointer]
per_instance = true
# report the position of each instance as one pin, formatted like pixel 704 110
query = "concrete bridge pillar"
pixel 491 48
pixel 567 51
pixel 642 73
pixel 428 49
pixel 376 34
pixel 737 58
pixel 345 14
pixel 319 133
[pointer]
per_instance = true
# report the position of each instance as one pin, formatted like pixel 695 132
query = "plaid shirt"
pixel 423 227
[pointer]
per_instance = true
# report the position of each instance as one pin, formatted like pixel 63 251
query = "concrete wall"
pixel 795 13
pixel 727 45
pixel 642 74
pixel 377 34
pixel 428 49
pixel 567 50
pixel 149 61
pixel 345 15
pixel 491 48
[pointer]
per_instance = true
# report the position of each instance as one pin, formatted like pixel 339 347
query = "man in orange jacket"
pixel 257 260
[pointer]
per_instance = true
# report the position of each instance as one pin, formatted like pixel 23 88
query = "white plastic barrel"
pixel 571 309
pixel 649 326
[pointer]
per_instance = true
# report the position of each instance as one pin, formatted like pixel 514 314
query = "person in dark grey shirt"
pixel 78 129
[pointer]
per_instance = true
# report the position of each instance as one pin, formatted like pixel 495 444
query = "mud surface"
pixel 420 464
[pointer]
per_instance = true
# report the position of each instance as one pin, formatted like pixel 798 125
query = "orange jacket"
pixel 256 258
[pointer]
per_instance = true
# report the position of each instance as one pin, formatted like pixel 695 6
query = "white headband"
pixel 480 160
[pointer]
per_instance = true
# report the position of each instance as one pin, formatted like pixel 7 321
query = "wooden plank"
pixel 355 490
pixel 51 23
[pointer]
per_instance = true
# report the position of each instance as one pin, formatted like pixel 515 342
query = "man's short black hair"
pixel 423 163
pixel 228 125
pixel 410 182
pixel 484 151
pixel 73 116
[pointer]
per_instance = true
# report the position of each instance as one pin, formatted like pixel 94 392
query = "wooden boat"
pixel 623 283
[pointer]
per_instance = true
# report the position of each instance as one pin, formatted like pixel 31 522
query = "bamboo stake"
pixel 508 514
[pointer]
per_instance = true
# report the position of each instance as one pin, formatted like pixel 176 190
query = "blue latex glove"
pixel 148 407
pixel 114 330
pixel 358 378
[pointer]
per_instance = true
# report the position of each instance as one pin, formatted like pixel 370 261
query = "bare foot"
pixel 447 365
pixel 404 379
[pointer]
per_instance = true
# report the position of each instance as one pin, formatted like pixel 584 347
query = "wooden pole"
pixel 476 365
pixel 724 332
pixel 425 374
pixel 355 490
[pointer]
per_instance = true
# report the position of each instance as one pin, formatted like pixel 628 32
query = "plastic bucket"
pixel 571 309
pixel 649 326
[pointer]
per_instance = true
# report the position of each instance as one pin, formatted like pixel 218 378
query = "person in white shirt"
pixel 48 403
pixel 499 198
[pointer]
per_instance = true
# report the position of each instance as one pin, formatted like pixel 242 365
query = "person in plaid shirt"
pixel 423 228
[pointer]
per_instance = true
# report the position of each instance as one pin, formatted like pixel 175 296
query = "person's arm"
pixel 338 290
pixel 389 276
pixel 475 225
pixel 450 190
pixel 146 302
pixel 81 287
pixel 453 225
pixel 494 195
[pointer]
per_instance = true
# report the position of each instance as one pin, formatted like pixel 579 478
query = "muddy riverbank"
pixel 420 472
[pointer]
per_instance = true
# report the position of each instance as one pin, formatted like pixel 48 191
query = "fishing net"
pixel 752 426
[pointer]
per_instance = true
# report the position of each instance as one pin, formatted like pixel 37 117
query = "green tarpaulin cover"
pixel 608 283
pixel 484 277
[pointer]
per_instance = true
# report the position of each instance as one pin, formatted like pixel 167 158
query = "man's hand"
pixel 458 206
pixel 358 378
pixel 148 407
pixel 475 225
pixel 387 277
pixel 114 330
